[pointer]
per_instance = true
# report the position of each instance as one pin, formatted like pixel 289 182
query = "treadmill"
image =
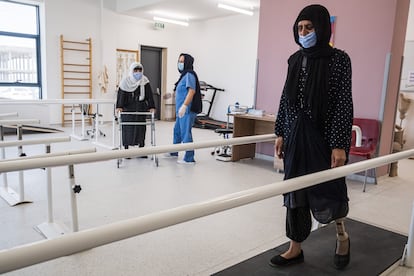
pixel 203 120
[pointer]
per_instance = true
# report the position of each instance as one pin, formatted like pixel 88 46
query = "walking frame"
pixel 150 120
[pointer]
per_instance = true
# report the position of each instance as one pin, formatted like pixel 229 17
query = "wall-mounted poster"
pixel 124 58
pixel 333 23
pixel 410 79
pixel 407 73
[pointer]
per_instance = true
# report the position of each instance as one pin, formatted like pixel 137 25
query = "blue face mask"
pixel 308 40
pixel 137 76
pixel 180 66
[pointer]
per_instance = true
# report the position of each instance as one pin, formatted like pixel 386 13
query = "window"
pixel 20 74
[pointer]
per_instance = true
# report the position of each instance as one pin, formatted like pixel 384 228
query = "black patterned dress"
pixel 308 144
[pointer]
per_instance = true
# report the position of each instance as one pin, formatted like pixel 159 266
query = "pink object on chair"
pixel 370 129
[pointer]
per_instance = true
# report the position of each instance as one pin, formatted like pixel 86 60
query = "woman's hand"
pixel 182 110
pixel 118 110
pixel 279 147
pixel 338 158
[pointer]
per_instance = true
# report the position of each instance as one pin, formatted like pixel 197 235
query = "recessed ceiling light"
pixel 235 9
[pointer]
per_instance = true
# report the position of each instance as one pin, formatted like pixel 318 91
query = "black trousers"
pixel 298 223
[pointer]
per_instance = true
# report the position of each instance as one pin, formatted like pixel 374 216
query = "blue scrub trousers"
pixel 183 134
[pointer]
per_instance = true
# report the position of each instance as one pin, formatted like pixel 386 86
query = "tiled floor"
pixel 199 247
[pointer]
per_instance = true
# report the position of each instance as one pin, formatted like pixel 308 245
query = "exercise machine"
pixel 203 119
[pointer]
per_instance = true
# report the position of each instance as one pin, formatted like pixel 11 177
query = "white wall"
pixel 226 58
pixel 224 49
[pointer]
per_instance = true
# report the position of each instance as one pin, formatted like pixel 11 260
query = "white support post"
pixel 49 191
pixel 83 120
pixel 20 154
pixel 97 132
pixel 96 123
pixel 5 192
pixel 12 197
pixel 73 119
pixel 113 129
pixel 50 229
pixel 82 137
pixel 73 204
pixel 3 156
pixel 408 254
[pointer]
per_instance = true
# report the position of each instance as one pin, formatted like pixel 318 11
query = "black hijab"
pixel 196 105
pixel 318 56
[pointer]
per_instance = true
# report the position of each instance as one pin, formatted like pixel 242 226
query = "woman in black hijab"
pixel 314 128
pixel 188 105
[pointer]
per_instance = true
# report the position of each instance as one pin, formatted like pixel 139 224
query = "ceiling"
pixel 191 10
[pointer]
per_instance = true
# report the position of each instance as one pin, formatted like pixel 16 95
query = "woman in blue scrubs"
pixel 188 105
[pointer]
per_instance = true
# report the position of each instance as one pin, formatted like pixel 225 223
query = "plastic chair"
pixel 370 129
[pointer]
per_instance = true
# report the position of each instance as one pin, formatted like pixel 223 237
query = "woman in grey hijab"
pixel 134 95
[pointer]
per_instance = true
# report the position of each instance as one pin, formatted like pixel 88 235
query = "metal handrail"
pixel 48 141
pixel 29 254
pixel 133 152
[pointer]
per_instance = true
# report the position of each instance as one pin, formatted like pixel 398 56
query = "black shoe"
pixel 278 260
pixel 341 261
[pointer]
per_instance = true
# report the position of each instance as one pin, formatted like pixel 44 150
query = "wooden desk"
pixel 247 125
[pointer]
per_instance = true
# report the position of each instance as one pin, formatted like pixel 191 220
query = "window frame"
pixel 37 38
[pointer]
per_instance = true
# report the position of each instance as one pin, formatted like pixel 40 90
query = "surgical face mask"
pixel 308 40
pixel 180 66
pixel 138 76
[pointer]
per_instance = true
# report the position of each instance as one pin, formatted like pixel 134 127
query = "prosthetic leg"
pixel 343 245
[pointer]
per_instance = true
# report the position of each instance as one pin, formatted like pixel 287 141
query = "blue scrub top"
pixel 188 81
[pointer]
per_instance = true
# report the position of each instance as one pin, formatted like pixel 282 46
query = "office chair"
pixel 223 152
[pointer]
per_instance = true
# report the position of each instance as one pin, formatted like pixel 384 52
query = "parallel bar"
pixel 29 254
pixel 51 154
pixel 19 121
pixel 5 144
pixel 104 156
pixel 59 101
pixel 12 114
